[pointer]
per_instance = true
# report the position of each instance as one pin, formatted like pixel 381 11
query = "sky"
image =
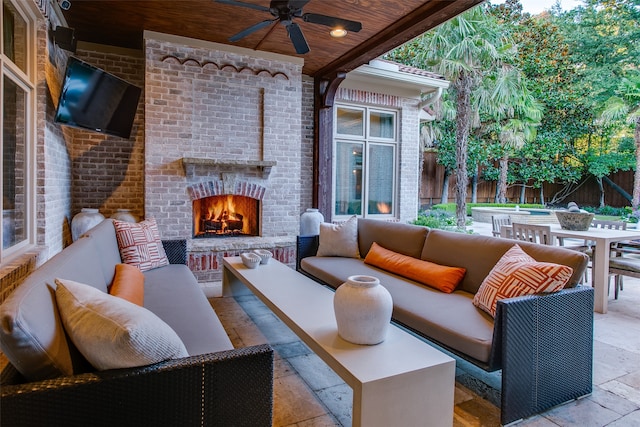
pixel 535 7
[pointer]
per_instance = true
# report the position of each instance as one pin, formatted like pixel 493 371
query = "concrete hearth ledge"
pixel 240 243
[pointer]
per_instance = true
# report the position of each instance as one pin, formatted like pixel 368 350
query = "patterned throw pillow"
pixel 517 274
pixel 140 244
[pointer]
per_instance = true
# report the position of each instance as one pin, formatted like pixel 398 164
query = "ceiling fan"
pixel 285 11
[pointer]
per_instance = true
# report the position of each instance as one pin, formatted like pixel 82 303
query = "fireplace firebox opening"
pixel 226 216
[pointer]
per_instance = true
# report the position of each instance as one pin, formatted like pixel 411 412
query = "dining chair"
pixel 619 264
pixel 535 233
pixel 498 221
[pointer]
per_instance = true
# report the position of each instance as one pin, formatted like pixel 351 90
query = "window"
pixel 17 89
pixel 365 151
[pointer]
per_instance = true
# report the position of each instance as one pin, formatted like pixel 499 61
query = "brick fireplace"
pixel 222 125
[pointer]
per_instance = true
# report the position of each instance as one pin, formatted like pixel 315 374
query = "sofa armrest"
pixel 232 387
pixel 546 345
pixel 176 250
pixel 306 246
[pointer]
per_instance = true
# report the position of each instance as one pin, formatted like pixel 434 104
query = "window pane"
pixel 14 30
pixel 14 104
pixel 381 125
pixel 348 178
pixel 350 122
pixel 381 173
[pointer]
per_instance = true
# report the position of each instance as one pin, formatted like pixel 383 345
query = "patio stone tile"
pixel 282 367
pixel 612 401
pixel 583 413
pixel 292 349
pixel 273 329
pixel 315 372
pixel 630 420
pixel 615 330
pixel 611 362
pixel 294 401
pixel 338 400
pixel 476 412
pixel 324 421
pixel 623 390
pixel 536 421
pixel 632 379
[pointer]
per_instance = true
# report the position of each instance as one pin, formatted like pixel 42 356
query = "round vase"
pixel 84 221
pixel 124 215
pixel 310 221
pixel 363 310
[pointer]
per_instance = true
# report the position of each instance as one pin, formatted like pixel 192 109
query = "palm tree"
pixel 515 115
pixel 465 50
pixel 626 105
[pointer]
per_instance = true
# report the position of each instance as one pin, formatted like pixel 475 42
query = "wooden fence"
pixel 586 194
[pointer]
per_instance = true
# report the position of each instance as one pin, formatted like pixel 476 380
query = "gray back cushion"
pixel 406 239
pixel 104 236
pixel 478 254
pixel 31 332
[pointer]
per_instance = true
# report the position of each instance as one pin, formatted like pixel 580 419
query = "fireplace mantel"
pixel 191 163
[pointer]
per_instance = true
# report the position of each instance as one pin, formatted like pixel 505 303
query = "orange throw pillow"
pixel 128 283
pixel 437 276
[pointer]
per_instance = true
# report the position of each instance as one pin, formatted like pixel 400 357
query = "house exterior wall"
pixel 409 159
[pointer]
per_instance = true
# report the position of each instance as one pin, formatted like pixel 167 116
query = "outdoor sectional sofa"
pixel 214 384
pixel 543 343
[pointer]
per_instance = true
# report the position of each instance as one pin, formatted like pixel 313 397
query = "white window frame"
pixel 367 142
pixel 25 80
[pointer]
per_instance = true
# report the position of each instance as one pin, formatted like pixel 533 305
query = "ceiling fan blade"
pixel 297 4
pixel 331 21
pixel 243 4
pixel 297 38
pixel 251 29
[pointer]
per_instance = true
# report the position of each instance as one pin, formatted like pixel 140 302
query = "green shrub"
pixel 451 207
pixel 438 218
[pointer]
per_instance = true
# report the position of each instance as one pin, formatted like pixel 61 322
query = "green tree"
pixel 626 104
pixel 464 50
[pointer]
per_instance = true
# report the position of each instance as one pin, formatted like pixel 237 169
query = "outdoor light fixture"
pixel 338 32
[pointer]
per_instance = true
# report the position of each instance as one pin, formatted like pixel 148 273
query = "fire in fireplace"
pixel 226 216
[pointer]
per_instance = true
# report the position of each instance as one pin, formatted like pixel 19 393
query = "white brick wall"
pixel 224 106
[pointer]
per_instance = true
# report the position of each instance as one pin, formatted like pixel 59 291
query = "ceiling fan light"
pixel 338 32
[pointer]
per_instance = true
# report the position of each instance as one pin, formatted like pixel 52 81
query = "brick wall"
pixel 108 171
pixel 307 129
pixel 211 104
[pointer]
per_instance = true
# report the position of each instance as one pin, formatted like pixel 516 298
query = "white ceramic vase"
pixel 85 221
pixel 124 215
pixel 310 221
pixel 363 310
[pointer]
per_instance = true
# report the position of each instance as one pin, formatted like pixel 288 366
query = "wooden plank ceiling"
pixel 385 25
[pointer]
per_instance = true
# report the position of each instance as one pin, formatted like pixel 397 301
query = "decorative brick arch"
pixel 220 187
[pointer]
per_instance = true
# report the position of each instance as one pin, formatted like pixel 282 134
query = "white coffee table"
pixel 401 382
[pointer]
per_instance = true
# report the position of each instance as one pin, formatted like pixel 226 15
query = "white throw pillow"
pixel 112 332
pixel 339 239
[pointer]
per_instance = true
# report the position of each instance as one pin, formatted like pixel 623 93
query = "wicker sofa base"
pixel 227 388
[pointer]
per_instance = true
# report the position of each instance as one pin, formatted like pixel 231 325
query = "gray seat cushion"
pixel 173 294
pixel 450 319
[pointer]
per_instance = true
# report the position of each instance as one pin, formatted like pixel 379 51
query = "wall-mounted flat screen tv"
pixel 96 100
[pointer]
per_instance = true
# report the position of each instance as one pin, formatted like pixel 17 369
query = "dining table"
pixel 601 238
